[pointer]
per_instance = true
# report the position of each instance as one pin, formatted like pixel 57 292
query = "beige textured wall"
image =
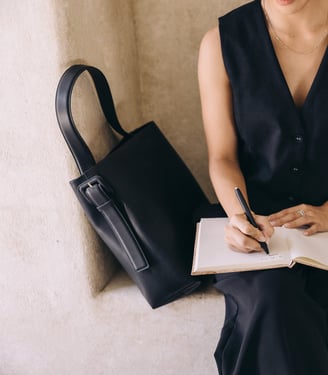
pixel 52 267
pixel 43 269
pixel 169 34
pixel 52 264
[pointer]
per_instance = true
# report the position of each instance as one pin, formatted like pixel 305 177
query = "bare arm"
pixel 215 93
pixel 225 173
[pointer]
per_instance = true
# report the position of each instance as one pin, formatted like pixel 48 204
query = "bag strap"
pixel 80 151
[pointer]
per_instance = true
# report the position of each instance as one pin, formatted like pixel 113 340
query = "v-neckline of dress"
pixel 281 74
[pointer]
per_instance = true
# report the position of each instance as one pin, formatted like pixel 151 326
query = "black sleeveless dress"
pixel 276 320
pixel 283 150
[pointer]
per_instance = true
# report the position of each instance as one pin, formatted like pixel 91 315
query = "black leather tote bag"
pixel 140 198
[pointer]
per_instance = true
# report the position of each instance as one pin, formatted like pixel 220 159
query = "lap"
pixel 280 284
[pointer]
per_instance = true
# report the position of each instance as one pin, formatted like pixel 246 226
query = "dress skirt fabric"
pixel 276 322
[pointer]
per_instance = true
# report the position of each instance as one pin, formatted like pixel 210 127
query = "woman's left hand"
pixel 314 218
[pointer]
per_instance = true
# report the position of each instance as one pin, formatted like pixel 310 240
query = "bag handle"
pixel 80 151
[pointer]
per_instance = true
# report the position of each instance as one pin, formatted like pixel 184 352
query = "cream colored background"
pixel 59 313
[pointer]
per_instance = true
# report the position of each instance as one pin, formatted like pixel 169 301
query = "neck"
pixel 297 16
pixel 298 25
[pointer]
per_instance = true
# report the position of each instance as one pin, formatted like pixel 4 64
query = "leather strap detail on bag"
pixel 95 191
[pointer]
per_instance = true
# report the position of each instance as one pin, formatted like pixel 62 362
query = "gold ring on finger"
pixel 301 212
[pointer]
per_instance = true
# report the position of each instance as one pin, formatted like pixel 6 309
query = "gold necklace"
pixel 276 36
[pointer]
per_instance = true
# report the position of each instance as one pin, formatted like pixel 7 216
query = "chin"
pixel 294 4
pixel 284 2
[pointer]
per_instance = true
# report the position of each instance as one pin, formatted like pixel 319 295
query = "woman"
pixel 263 80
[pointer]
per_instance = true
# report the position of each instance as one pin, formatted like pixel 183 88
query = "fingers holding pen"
pixel 244 237
pixel 252 230
pixel 265 226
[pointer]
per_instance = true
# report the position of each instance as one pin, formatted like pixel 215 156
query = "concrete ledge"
pixel 178 338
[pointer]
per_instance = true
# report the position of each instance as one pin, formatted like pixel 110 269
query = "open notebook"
pixel 287 247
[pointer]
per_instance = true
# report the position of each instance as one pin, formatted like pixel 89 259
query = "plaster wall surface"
pixel 65 308
pixel 168 34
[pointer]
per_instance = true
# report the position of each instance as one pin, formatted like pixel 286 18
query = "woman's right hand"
pixel 242 236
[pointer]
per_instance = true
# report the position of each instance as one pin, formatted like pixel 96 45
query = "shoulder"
pixel 240 15
pixel 211 66
pixel 210 41
pixel 210 54
pixel 243 10
pixel 234 18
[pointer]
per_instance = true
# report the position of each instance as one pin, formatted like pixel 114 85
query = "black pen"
pixel 249 215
